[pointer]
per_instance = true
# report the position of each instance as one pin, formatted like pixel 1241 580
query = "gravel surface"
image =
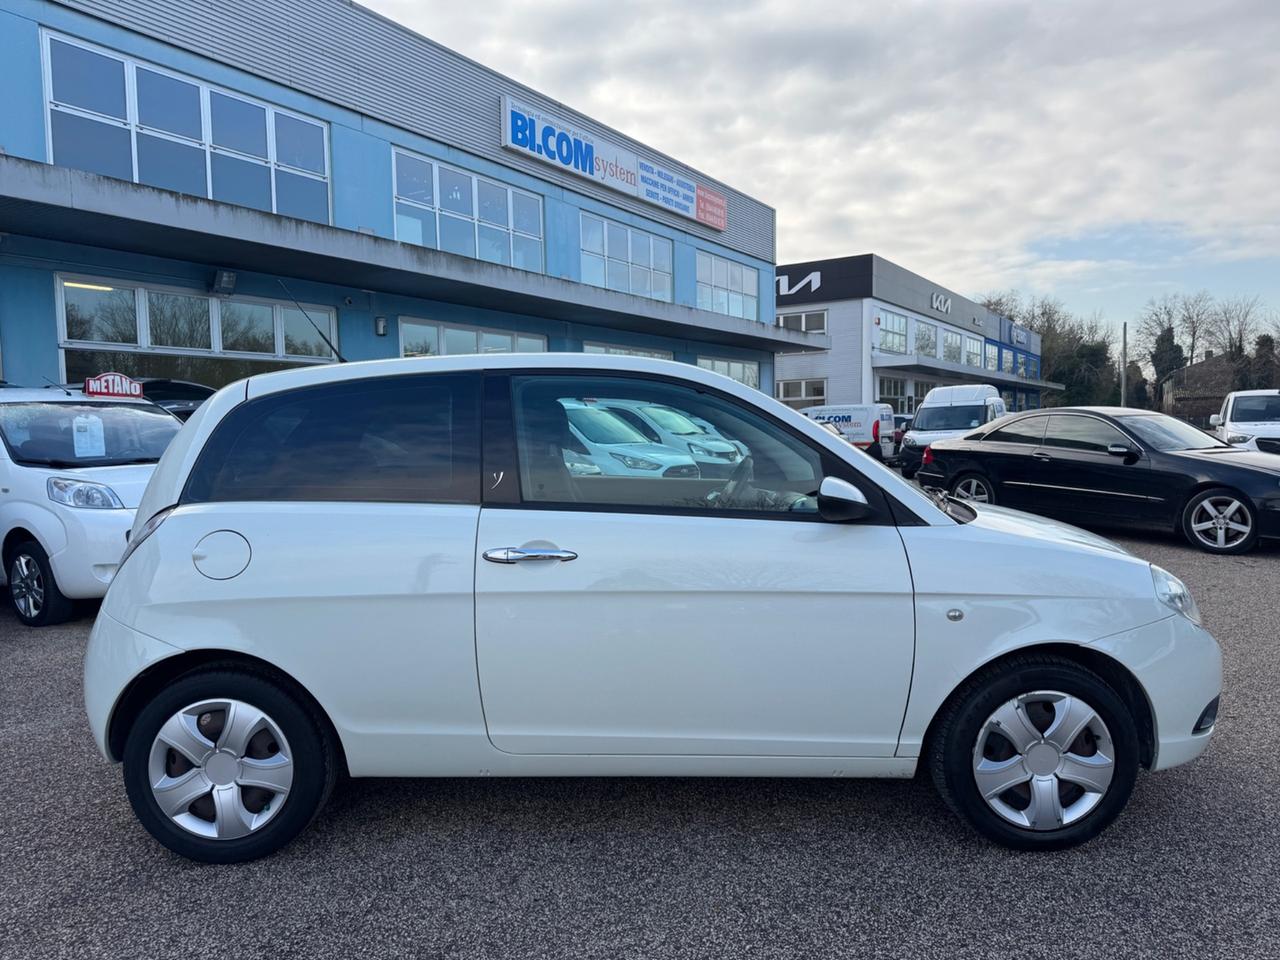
pixel 654 868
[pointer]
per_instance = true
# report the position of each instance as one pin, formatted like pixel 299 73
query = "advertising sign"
pixel 561 144
pixel 112 385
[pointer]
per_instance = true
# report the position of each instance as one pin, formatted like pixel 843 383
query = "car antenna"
pixel 327 342
pixel 60 386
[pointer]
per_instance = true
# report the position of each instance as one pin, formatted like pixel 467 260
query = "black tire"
pixel 978 478
pixel 53 606
pixel 1242 545
pixel 908 472
pixel 952 743
pixel 314 762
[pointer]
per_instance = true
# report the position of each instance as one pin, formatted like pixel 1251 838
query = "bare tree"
pixel 1234 324
pixel 1195 312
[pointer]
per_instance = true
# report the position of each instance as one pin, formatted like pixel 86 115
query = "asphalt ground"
pixel 612 868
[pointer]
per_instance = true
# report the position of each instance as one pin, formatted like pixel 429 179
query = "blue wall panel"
pixel 22 117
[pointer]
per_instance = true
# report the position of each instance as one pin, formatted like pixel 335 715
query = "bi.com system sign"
pixel 536 133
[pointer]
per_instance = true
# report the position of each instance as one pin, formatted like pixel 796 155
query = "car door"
pixel 674 616
pixel 1007 454
pixel 1077 475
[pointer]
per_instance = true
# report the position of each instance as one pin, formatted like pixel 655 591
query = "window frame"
pixel 143 316
pixel 884 328
pixel 501 457
pixel 702 361
pixel 806 396
pixel 601 348
pixel 915 342
pixel 805 317
pixel 605 256
pixel 727 287
pixel 135 127
pixel 474 219
pixel 442 325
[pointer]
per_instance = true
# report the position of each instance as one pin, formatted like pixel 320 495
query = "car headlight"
pixel 1173 593
pixel 908 441
pixel 1239 438
pixel 699 451
pixel 83 493
pixel 636 463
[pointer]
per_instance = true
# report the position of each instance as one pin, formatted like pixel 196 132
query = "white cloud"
pixel 950 136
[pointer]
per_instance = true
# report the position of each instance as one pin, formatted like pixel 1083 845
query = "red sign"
pixel 112 385
pixel 712 209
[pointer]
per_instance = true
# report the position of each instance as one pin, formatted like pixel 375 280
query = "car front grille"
pixel 1269 444
pixel 682 471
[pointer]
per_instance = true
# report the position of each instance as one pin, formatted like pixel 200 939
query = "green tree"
pixel 1166 356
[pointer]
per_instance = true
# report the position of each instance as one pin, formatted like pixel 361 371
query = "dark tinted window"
pixel 1028 430
pixel 1257 409
pixel 398 439
pixel 1082 433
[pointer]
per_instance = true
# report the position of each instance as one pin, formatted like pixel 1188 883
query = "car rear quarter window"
pixel 1029 431
pixel 411 439
pixel 1082 433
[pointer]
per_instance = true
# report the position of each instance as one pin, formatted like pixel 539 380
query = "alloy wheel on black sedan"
pixel 1220 521
pixel 970 486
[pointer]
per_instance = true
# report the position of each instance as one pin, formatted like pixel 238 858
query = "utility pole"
pixel 1124 364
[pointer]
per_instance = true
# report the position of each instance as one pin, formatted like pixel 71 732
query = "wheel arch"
pixel 163 672
pixel 19 534
pixel 1115 673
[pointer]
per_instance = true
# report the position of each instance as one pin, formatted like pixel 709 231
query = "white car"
pixel 72 469
pixel 458 604
pixel 947 412
pixel 714 455
pixel 868 426
pixel 600 437
pixel 1249 419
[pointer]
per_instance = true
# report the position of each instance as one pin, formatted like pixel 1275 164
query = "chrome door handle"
pixel 1040 455
pixel 521 554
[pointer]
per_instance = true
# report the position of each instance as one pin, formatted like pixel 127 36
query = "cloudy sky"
pixel 1098 151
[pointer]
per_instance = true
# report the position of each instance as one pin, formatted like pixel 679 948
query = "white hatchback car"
pixel 387 569
pixel 72 470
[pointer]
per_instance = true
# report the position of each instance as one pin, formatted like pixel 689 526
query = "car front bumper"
pixel 1179 666
pixel 910 457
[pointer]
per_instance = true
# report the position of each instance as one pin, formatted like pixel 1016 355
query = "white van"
pixel 868 426
pixel 948 412
pixel 1249 419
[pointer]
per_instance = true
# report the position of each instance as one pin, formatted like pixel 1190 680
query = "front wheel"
pixel 33 592
pixel 1038 753
pixel 225 766
pixel 1220 521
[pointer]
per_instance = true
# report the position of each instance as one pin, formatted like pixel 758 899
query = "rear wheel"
pixel 973 486
pixel 33 591
pixel 225 766
pixel 1220 521
pixel 1038 753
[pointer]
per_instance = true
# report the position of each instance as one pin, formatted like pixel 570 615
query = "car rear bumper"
pixel 115 655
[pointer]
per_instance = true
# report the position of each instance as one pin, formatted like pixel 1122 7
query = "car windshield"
pixel 1166 434
pixel 88 434
pixel 948 418
pixel 673 422
pixel 601 426
pixel 1256 409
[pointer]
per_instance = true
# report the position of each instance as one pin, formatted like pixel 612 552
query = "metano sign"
pixel 536 133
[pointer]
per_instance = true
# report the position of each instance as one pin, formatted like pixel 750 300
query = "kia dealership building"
pixel 185 187
pixel 893 337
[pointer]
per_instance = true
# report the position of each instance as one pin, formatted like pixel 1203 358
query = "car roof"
pixel 58 394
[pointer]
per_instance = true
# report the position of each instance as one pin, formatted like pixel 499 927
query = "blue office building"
pixel 190 190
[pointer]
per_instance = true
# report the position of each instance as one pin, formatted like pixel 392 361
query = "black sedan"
pixel 1115 466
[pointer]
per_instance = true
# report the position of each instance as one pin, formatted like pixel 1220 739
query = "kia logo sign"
pixel 941 302
pixel 112 385
pixel 813 281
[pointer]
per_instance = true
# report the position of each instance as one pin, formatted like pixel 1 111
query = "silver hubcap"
pixel 220 769
pixel 26 586
pixel 1043 760
pixel 971 488
pixel 1220 522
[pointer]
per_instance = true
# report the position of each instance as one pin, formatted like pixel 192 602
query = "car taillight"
pixel 927 458
pixel 150 527
pixel 875 431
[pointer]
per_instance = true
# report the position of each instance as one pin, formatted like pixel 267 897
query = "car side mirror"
pixel 1215 419
pixel 1120 450
pixel 839 501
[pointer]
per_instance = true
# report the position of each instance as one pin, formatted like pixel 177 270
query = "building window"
pixel 744 371
pixel 973 351
pixel 1006 360
pixel 893 332
pixel 1022 365
pixel 1033 368
pixel 123 118
pixel 893 391
pixel 625 259
pixel 952 347
pixel 799 394
pixel 926 339
pixel 992 356
pixel 615 350
pixel 727 287
pixel 812 322
pixel 423 338
pixel 152 331
pixel 453 211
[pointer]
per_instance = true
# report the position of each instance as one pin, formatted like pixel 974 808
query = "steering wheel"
pixel 741 474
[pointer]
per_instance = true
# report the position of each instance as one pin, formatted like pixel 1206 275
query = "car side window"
pixel 1082 433
pixel 576 447
pixel 411 439
pixel 1029 430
